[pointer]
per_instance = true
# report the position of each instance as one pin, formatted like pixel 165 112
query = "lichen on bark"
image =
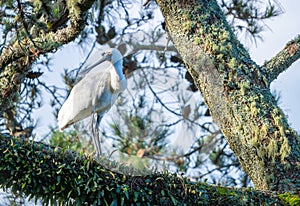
pixel 236 91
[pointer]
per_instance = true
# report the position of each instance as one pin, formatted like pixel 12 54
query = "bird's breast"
pixel 118 85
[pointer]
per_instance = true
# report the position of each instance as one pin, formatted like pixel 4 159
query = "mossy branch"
pixel 45 43
pixel 51 174
pixel 284 59
pixel 17 57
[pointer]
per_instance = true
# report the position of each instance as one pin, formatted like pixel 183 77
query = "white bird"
pixel 100 84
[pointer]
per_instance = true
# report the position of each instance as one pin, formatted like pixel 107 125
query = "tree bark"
pixel 237 93
pixel 285 58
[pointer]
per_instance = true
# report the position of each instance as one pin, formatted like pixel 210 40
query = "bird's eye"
pixel 106 53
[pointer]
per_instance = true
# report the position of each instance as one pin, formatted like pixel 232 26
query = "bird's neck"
pixel 118 68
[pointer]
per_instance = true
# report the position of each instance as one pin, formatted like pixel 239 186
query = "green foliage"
pixel 140 134
pixel 290 199
pixel 61 176
pixel 70 140
pixel 248 16
pixel 74 8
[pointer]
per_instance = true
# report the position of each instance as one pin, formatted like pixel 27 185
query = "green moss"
pixel 272 150
pixel 285 149
pixel 225 191
pixel 187 26
pixel 197 40
pixel 73 7
pixel 260 153
pixel 232 63
pixel 37 5
pixel 215 48
pixel 254 140
pixel 223 50
pixel 253 109
pixel 245 86
pixel 264 130
pixel 290 199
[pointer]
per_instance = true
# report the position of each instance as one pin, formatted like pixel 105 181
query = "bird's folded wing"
pixel 85 95
pixel 89 64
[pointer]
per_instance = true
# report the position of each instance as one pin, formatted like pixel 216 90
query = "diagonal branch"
pixel 48 42
pixel 284 59
pixel 16 57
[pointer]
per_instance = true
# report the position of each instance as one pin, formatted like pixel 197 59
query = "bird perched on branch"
pixel 97 90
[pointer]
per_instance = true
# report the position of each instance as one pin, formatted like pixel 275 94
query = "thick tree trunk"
pixel 237 93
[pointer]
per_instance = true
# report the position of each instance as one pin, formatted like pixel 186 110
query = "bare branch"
pixel 137 47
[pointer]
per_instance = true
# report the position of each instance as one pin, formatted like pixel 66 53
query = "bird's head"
pixel 114 55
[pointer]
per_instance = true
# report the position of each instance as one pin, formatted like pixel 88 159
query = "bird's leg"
pixel 99 117
pixel 95 135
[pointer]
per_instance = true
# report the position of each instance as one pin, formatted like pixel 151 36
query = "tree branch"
pixel 50 41
pixel 15 58
pixel 52 174
pixel 138 47
pixel 284 59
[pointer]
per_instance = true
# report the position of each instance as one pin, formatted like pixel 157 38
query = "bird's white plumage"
pixel 96 92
